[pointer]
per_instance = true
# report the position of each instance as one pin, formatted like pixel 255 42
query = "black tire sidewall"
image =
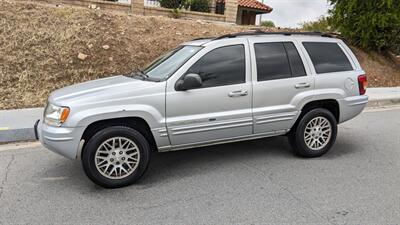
pixel 301 147
pixel 90 149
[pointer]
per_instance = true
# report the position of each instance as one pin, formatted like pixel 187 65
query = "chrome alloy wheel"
pixel 317 133
pixel 117 157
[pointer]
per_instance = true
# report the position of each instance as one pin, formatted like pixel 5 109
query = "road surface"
pixel 253 182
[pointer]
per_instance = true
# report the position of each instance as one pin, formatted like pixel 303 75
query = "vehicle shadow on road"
pixel 171 166
pixel 202 160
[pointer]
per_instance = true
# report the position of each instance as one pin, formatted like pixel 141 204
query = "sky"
pixel 289 13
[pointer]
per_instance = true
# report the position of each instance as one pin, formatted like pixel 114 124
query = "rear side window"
pixel 327 57
pixel 277 60
pixel 221 66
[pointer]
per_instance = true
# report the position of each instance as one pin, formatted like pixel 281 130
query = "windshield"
pixel 165 65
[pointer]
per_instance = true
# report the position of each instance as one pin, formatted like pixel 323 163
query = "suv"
pixel 205 92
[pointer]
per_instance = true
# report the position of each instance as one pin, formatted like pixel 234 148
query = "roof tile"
pixel 254 4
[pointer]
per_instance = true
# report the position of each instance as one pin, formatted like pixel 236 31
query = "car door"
pixel 221 108
pixel 280 82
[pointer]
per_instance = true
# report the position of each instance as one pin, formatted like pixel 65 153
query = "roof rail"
pixel 202 38
pixel 260 32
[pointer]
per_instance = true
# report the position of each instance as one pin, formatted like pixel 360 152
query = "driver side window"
pixel 221 66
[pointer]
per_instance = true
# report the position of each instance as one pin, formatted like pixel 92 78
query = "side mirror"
pixel 189 81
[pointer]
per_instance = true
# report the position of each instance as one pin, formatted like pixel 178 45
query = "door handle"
pixel 302 85
pixel 237 93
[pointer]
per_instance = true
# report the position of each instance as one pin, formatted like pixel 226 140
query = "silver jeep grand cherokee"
pixel 205 92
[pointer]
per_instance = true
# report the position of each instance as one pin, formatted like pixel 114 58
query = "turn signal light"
pixel 64 114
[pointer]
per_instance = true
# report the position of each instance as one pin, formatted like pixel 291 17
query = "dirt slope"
pixel 381 70
pixel 39 47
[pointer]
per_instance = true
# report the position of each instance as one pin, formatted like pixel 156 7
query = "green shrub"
pixel 321 25
pixel 200 6
pixel 186 4
pixel 176 13
pixel 267 23
pixel 172 4
pixel 371 24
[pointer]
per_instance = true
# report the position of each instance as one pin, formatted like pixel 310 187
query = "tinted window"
pixel 296 64
pixel 272 61
pixel 327 57
pixel 221 66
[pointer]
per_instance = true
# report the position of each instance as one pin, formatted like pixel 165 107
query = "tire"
pixel 302 140
pixel 116 156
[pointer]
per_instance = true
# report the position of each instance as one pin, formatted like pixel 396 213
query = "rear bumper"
pixel 62 140
pixel 350 107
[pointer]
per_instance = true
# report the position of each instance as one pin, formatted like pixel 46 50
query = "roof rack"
pixel 260 32
pixel 203 38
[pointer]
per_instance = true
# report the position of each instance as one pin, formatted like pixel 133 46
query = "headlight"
pixel 55 115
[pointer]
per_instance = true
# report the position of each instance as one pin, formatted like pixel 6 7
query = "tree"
pixel 200 5
pixel 321 25
pixel 267 23
pixel 371 24
pixel 172 4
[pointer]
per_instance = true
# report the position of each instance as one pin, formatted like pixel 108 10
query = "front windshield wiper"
pixel 140 74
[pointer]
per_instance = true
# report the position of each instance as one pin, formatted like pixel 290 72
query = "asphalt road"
pixel 253 182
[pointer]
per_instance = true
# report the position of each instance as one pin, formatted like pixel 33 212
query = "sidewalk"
pixel 17 125
pixel 379 97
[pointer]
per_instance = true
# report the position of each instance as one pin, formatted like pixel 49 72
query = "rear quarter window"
pixel 327 57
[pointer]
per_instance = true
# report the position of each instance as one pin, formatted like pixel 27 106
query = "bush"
pixel 172 4
pixel 200 6
pixel 267 23
pixel 371 24
pixel 321 25
pixel 176 13
pixel 395 47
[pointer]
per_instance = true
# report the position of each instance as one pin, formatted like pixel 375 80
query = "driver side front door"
pixel 221 108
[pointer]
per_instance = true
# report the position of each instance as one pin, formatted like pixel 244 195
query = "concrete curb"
pixel 376 103
pixel 381 97
pixel 13 135
pixel 17 125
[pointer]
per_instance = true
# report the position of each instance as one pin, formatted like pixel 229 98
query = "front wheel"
pixel 314 134
pixel 116 156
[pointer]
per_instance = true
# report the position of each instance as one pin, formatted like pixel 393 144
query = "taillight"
pixel 362 84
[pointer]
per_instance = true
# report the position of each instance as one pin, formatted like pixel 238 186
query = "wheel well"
pixel 136 123
pixel 329 104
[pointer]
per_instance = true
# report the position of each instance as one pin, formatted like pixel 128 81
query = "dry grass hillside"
pixel 40 44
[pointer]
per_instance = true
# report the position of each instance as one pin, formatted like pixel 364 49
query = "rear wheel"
pixel 116 156
pixel 314 134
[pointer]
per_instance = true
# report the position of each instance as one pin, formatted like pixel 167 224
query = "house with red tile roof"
pixel 246 10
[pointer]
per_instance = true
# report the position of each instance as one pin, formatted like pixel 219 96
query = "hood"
pixel 106 89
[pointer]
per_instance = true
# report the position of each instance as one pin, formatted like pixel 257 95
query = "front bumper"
pixel 62 140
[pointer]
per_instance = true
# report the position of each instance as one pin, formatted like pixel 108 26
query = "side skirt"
pixel 221 141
